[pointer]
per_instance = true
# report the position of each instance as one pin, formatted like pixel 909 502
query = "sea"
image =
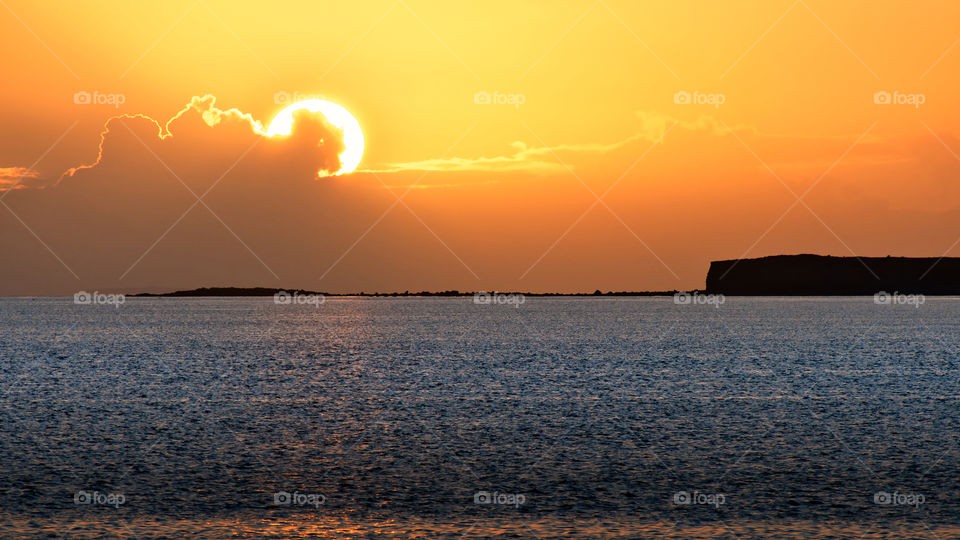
pixel 533 417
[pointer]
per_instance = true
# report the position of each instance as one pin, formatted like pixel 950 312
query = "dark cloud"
pixel 131 218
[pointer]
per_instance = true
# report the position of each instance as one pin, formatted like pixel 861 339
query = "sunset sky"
pixel 811 127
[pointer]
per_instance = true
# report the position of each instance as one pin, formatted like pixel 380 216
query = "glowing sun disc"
pixel 339 117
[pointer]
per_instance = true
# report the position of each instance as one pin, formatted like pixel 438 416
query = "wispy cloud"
pixel 14 177
pixel 543 159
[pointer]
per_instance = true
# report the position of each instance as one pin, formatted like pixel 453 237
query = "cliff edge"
pixel 822 275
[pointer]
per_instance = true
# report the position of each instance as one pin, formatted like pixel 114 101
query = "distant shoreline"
pixel 803 275
pixel 463 294
pixel 270 291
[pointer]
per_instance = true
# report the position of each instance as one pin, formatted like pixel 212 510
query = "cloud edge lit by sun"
pixel 280 126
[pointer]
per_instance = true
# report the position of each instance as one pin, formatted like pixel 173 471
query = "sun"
pixel 339 117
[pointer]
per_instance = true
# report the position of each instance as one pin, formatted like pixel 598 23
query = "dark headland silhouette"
pixel 821 275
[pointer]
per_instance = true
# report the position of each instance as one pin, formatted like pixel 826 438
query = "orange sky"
pixel 505 195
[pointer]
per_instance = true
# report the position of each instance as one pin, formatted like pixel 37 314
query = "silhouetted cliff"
pixel 800 275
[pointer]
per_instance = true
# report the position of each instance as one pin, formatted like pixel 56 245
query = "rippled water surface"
pixel 395 417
